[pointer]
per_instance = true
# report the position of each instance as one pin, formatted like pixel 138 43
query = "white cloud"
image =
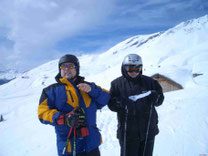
pixel 35 26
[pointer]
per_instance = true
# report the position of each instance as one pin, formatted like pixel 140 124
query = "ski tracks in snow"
pixel 107 123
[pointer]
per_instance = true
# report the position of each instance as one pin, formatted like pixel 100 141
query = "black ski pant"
pixel 94 152
pixel 136 147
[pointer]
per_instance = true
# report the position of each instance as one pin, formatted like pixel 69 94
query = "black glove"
pixel 153 97
pixel 120 105
pixel 125 106
pixel 76 118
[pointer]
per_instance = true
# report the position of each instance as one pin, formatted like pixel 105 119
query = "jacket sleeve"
pixel 101 96
pixel 114 98
pixel 159 90
pixel 47 113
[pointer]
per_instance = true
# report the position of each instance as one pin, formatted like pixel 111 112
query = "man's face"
pixel 68 70
pixel 133 74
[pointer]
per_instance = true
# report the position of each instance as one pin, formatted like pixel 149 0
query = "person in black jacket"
pixel 137 119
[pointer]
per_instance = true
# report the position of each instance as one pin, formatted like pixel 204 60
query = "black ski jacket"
pixel 138 111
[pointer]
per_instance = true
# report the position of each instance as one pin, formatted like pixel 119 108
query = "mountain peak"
pixel 197 23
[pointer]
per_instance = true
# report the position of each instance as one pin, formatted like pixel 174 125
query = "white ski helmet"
pixel 132 59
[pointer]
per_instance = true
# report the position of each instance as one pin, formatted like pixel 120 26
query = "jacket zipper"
pixel 71 96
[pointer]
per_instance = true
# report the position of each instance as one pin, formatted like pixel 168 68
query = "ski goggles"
pixel 69 66
pixel 133 68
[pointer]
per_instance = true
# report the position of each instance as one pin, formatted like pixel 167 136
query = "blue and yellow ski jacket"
pixel 63 97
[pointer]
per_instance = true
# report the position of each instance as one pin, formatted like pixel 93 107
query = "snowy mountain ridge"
pixel 188 26
pixel 183 122
pixel 8 75
pixel 193 23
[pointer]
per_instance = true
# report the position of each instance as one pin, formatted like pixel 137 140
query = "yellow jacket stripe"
pixel 45 113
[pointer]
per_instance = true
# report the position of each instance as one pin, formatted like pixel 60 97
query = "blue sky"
pixel 34 32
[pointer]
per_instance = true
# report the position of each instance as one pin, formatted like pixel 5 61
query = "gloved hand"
pixel 119 105
pixel 82 132
pixel 125 105
pixel 75 118
pixel 153 97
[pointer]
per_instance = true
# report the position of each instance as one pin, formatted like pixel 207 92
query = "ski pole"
pixel 147 133
pixel 74 151
pixel 67 142
pixel 125 128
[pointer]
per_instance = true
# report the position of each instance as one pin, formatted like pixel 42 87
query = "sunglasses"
pixel 133 68
pixel 69 66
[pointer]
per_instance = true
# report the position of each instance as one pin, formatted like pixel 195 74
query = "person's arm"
pixel 114 104
pixel 47 113
pixel 159 93
pixel 100 95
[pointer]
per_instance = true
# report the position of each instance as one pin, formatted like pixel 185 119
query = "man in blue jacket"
pixel 70 105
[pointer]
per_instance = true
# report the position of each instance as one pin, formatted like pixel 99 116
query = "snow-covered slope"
pixel 177 53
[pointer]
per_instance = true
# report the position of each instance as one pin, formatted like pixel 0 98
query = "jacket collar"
pixel 78 80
